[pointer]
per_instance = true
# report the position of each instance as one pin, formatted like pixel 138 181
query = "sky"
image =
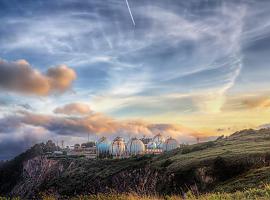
pixel 186 69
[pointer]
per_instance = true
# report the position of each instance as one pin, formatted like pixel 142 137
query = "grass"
pixel 248 194
pixel 239 146
pixel 254 178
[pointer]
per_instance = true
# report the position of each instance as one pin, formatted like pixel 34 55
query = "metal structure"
pixel 151 145
pixel 135 147
pixel 118 147
pixel 159 140
pixel 103 147
pixel 170 144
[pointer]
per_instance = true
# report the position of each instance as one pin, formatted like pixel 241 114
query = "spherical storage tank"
pixel 170 144
pixel 159 139
pixel 135 147
pixel 103 146
pixel 118 147
pixel 151 145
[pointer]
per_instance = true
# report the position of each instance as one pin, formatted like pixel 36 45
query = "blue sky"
pixel 192 64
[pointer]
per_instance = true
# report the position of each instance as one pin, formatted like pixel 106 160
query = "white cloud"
pixel 166 48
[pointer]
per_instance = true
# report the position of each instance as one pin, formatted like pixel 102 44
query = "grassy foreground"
pixel 249 194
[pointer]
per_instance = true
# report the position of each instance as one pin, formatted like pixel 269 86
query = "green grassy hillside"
pixel 235 163
pixel 239 146
pixel 238 161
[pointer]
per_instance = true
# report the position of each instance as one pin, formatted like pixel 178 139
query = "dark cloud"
pixel 22 138
pixel 9 124
pixel 20 76
pixel 11 147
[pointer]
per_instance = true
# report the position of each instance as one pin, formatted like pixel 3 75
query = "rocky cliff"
pixel 35 172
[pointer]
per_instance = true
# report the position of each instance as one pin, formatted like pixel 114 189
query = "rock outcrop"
pixel 36 171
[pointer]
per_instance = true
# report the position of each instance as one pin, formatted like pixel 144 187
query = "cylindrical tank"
pixel 159 139
pixel 103 146
pixel 118 147
pixel 151 145
pixel 77 146
pixel 135 147
pixel 170 144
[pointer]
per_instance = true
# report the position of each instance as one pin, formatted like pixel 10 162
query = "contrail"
pixel 130 13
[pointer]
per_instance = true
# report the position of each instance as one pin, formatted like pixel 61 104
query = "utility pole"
pixel 62 144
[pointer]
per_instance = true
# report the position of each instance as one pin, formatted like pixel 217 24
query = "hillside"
pixel 239 161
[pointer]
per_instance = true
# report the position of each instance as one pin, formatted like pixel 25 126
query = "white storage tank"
pixel 151 145
pixel 159 139
pixel 103 146
pixel 170 144
pixel 135 147
pixel 118 147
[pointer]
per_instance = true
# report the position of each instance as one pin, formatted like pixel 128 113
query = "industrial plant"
pixel 119 148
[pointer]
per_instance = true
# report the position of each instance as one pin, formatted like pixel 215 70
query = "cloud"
pixel 181 42
pixel 257 102
pixel 96 124
pixel 21 77
pixel 73 109
pixel 263 126
pixel 175 131
pixel 128 63
pixel 18 132
pixel 247 102
pixel 22 138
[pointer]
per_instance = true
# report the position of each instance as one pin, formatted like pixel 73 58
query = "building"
pixel 118 148
pixel 83 150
